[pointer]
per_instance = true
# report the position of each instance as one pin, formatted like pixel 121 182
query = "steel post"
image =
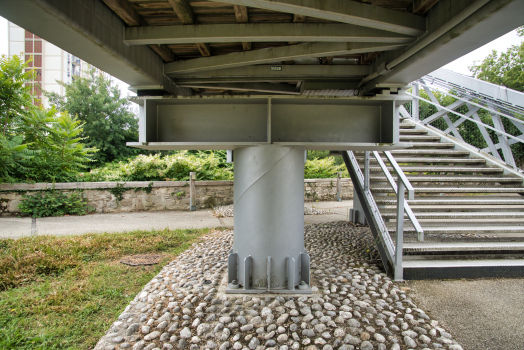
pixel 269 219
pixel 399 237
pixel 416 107
pixel 339 186
pixel 192 191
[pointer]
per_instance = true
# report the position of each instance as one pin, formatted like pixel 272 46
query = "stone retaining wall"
pixel 163 195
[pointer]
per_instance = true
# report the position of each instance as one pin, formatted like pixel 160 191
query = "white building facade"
pixel 51 63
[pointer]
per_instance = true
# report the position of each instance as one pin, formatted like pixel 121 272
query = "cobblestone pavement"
pixel 354 304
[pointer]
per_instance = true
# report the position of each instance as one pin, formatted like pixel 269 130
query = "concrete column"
pixel 269 220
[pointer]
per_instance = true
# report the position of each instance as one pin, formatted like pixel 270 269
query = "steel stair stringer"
pixel 376 223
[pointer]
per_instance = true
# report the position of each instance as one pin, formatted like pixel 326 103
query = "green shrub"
pixel 54 203
pixel 323 169
pixel 175 167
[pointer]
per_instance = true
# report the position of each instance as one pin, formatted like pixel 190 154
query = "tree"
pixel 108 119
pixel 58 154
pixel 15 105
pixel 15 93
pixel 35 144
pixel 506 70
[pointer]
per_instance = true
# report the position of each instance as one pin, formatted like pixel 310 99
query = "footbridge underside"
pixel 268 79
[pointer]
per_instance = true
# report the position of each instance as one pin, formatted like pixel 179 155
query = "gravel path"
pixel 354 304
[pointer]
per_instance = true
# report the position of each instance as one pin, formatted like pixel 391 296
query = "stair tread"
pixel 433 144
pixel 463 215
pixel 434 201
pixel 429 160
pixel 463 229
pixel 441 189
pixel 461 263
pixel 459 178
pixel 442 169
pixel 449 246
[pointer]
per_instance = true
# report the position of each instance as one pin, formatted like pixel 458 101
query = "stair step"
pixel 423 152
pixel 424 247
pixel 429 160
pixel 417 138
pixel 462 189
pixel 426 169
pixel 458 215
pixel 432 145
pixel 473 268
pixel 414 178
pixel 430 152
pixel 464 229
pixel 462 263
pixel 456 201
pixel 410 131
pixel 407 126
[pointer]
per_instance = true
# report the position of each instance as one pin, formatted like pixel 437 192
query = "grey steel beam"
pixel 497 92
pixel 351 12
pixel 495 18
pixel 276 72
pixel 260 32
pixel 277 54
pixel 260 87
pixel 91 31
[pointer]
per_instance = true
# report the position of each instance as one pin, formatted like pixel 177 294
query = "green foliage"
pixel 35 144
pixel 323 169
pixel 180 194
pixel 207 165
pixel 15 96
pixel 13 155
pixel 118 191
pixel 15 105
pixel 109 120
pixel 506 70
pixel 53 203
pixel 58 152
pixel 155 168
pixel 149 188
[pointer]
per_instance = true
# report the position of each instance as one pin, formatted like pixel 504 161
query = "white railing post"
pixel 416 106
pixel 339 186
pixel 399 236
pixel 192 191
pixel 366 171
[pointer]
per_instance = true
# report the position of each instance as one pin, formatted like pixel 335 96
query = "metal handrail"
pixel 491 110
pixel 401 202
pixel 370 202
pixel 407 185
pixel 517 138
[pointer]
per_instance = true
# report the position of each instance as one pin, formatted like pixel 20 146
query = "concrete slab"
pixel 482 314
pixel 15 227
pixel 338 211
pixel 119 222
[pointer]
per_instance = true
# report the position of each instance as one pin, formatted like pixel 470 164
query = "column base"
pixel 234 287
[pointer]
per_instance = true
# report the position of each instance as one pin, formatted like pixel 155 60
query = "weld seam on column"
pixel 254 182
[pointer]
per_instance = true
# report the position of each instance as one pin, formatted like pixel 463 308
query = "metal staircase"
pixel 464 215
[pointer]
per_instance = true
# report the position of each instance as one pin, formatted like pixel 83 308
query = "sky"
pixel 460 65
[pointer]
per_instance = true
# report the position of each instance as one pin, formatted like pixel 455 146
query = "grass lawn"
pixel 65 292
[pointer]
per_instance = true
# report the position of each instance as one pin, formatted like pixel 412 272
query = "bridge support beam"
pixel 268 248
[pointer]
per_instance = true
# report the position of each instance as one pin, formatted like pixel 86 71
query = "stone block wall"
pixel 163 195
